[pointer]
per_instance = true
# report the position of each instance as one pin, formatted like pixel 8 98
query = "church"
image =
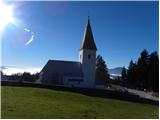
pixel 74 73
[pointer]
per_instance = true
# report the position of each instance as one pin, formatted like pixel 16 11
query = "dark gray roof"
pixel 65 68
pixel 88 40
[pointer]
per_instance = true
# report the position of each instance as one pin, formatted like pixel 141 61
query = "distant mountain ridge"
pixel 115 71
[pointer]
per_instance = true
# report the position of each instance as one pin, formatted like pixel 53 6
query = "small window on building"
pixel 89 56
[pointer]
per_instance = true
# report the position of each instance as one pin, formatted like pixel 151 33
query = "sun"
pixel 6 15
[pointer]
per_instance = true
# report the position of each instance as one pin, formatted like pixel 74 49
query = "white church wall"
pixel 88 61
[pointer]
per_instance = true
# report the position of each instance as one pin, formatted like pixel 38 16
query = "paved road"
pixel 143 94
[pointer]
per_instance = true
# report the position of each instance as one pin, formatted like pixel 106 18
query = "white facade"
pixel 88 60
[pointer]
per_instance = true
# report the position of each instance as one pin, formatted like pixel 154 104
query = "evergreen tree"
pixel 143 70
pixel 124 75
pixel 1 75
pixel 153 72
pixel 102 76
pixel 145 73
pixel 131 75
pixel 27 77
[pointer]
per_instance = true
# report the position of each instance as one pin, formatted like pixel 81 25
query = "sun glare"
pixel 6 15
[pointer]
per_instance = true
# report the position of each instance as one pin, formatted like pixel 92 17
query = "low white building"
pixel 72 73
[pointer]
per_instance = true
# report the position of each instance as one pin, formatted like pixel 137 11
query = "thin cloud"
pixel 31 39
pixel 14 70
pixel 27 30
pixel 32 36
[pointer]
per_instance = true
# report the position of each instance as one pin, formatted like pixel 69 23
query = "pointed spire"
pixel 88 17
pixel 88 40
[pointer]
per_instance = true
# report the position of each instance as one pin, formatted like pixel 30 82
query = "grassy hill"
pixel 26 102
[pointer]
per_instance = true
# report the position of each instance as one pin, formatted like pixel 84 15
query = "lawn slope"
pixel 26 102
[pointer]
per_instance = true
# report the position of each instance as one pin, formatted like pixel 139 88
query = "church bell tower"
pixel 87 56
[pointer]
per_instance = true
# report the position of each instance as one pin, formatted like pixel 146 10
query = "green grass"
pixel 26 102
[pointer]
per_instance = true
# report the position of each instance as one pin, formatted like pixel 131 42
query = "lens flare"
pixel 6 15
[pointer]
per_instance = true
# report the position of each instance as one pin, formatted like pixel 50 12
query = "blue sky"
pixel 121 31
